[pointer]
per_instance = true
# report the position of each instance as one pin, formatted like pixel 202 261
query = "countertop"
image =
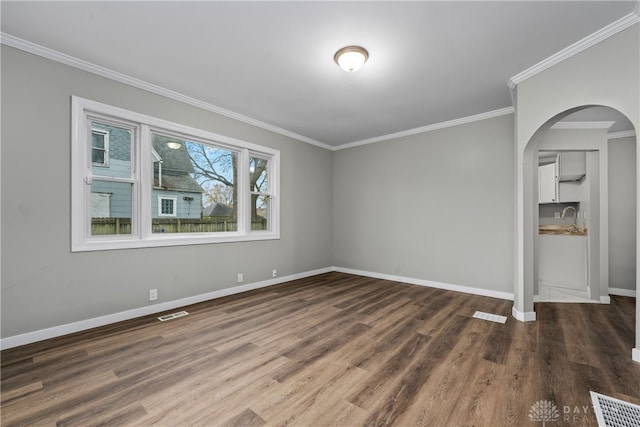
pixel 562 229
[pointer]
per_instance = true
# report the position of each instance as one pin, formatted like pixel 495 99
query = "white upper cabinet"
pixel 548 183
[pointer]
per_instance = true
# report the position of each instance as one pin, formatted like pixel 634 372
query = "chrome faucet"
pixel 575 214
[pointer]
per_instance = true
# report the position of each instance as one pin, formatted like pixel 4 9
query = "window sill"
pixel 107 243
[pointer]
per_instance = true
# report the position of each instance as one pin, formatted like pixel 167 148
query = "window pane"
pixel 193 187
pixel 111 204
pixel 110 150
pixel 260 206
pixel 259 184
pixel 97 140
pixel 258 175
pixel 98 156
pixel 166 207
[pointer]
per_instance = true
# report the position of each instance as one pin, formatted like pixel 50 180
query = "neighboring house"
pixel 217 210
pixel 221 210
pixel 110 157
pixel 176 194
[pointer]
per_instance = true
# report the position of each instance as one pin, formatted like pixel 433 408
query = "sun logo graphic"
pixel 544 410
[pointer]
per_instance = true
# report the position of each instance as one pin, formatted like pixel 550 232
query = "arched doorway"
pixel 605 73
pixel 530 222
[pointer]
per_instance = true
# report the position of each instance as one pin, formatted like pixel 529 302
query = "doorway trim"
pixel 591 140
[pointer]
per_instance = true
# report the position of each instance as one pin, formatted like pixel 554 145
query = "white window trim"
pixel 175 206
pixel 142 179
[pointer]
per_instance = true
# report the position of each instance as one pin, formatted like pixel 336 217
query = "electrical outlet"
pixel 274 273
pixel 556 215
pixel 240 278
pixel 153 294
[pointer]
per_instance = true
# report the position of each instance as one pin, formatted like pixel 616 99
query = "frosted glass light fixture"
pixel 173 145
pixel 351 58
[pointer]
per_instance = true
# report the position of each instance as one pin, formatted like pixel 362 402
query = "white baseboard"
pixel 69 328
pixel 523 316
pixel 56 331
pixel 572 300
pixel 635 354
pixel 431 284
pixel 602 300
pixel 622 292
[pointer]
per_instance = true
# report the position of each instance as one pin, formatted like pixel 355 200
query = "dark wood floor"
pixel 333 349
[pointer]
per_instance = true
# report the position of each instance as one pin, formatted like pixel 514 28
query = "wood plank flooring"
pixel 333 349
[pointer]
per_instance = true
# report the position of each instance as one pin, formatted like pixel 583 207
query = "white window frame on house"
pixel 142 126
pixel 174 206
pixel 105 134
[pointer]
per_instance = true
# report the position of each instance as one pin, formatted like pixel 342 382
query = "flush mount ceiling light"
pixel 173 145
pixel 351 58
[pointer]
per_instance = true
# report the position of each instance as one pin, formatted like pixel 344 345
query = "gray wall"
pixel 437 206
pixel 45 285
pixel 622 213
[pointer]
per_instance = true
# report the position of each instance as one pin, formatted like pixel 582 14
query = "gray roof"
pixel 174 161
pixel 176 166
pixel 180 183
pixel 217 209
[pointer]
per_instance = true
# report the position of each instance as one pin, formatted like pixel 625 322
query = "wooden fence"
pixel 110 226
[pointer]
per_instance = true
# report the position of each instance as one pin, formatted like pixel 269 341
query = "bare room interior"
pixel 221 213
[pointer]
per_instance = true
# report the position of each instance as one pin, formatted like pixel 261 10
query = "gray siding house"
pixel 176 194
pixel 110 157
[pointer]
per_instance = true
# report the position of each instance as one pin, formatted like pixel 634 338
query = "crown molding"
pixel 582 125
pixel 63 58
pixel 54 55
pixel 429 128
pixel 592 39
pixel 622 134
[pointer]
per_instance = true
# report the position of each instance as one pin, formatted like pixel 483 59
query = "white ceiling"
pixel 430 62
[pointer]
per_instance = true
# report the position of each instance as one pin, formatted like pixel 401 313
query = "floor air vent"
pixel 612 412
pixel 172 316
pixel 489 316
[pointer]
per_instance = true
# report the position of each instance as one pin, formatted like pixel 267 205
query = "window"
pixel 100 147
pixel 203 175
pixel 139 181
pixel 166 206
pixel 260 194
